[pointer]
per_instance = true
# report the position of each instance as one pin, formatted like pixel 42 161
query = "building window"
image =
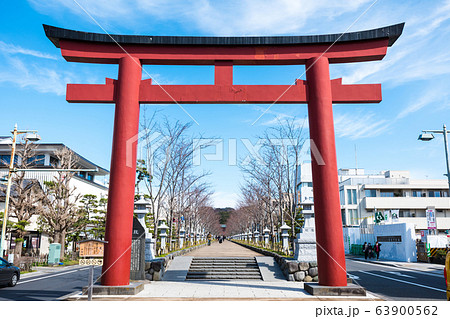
pixel 54 161
pixel 6 159
pixel 417 193
pixel 386 193
pixel 353 214
pixel 435 194
pixel 38 160
pixel 307 207
pixel 351 196
pixel 90 177
pixel 371 193
pixel 344 219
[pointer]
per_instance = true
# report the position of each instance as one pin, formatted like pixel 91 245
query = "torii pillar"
pixel 329 240
pixel 318 91
pixel 119 225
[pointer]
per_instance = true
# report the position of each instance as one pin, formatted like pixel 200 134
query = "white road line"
pixel 403 281
pixel 422 272
pixel 397 273
pixel 55 275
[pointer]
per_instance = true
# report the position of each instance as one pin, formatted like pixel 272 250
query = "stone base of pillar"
pixel 132 289
pixel 350 290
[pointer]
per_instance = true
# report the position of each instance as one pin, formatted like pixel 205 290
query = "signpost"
pixel 431 219
pixel 90 249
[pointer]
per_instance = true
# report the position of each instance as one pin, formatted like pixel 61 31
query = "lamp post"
pixel 427 135
pixel 31 136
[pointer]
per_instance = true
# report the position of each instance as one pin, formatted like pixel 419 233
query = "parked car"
pixel 9 274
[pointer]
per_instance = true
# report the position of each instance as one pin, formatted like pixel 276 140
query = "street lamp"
pixel 33 137
pixel 427 135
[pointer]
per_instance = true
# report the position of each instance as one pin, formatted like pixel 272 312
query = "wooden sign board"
pixel 91 248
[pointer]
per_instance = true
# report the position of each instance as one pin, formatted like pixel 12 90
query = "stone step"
pixel 225 265
pixel 219 277
pixel 223 261
pixel 212 268
pixel 225 273
pixel 224 269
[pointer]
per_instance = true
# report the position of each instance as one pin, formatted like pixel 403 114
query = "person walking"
pixel 369 250
pixel 364 248
pixel 377 249
pixel 209 239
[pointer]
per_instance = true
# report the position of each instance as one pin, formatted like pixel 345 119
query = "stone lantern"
pixel 256 236
pixel 284 237
pixel 266 236
pixel 182 232
pixel 163 234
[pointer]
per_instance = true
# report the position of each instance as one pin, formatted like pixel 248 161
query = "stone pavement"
pixel 174 287
pixel 225 249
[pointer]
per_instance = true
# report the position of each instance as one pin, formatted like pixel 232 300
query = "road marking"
pixel 422 272
pixel 399 274
pixel 405 282
pixel 353 276
pixel 55 275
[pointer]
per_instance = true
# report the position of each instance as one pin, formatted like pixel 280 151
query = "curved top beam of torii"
pixel 369 45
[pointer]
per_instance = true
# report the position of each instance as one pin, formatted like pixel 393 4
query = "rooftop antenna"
pixel 356 161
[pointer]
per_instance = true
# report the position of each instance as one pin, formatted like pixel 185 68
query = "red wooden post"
pixel 329 235
pixel 119 222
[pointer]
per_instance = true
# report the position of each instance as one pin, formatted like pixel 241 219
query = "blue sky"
pixel 414 76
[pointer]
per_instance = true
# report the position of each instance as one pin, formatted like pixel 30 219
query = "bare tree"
pixel 62 213
pixel 26 196
pixel 272 180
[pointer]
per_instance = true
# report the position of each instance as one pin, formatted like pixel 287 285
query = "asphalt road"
pixel 394 283
pixel 48 286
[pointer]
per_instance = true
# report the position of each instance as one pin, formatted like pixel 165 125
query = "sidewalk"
pixel 419 266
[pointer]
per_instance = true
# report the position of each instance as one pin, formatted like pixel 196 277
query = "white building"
pixel 92 182
pixel 362 194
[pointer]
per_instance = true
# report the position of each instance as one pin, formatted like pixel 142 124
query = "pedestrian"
pixel 364 248
pixel 209 239
pixel 369 250
pixel 377 249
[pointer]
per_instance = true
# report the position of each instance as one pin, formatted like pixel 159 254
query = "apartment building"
pixel 363 193
pixel 93 182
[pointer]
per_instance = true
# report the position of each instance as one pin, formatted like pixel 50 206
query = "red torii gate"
pixel 318 91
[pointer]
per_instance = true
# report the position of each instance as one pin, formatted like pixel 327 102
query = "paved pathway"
pixel 274 285
pixel 225 249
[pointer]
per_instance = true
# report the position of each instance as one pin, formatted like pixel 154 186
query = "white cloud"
pixel 422 51
pixel 358 125
pixel 427 96
pixel 37 77
pixel 235 17
pixel 14 49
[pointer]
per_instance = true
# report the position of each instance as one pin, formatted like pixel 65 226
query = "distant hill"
pixel 224 214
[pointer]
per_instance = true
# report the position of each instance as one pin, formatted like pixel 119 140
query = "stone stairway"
pixel 217 268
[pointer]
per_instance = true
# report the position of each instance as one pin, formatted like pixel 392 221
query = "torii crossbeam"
pixel 129 90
